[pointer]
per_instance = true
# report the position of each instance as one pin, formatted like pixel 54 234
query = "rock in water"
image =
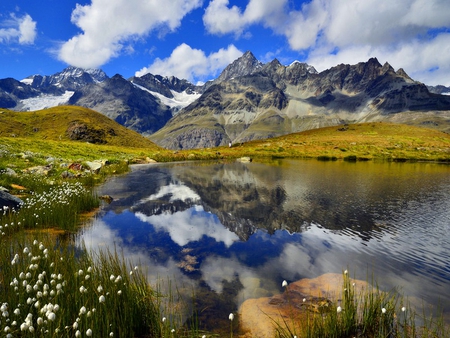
pixel 261 316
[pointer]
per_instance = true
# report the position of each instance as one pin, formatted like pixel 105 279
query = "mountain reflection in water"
pixel 234 231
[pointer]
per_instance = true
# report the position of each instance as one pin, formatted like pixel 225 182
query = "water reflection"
pixel 234 231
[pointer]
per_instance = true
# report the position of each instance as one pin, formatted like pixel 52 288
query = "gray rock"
pixel 8 201
pixel 39 170
pixel 9 172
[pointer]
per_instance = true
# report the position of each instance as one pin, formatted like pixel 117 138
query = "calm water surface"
pixel 234 231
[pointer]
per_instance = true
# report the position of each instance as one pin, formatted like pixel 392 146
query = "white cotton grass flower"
pixel 403 309
pixel 339 309
pixel 231 316
pixel 89 332
pixel 383 310
pixel 51 316
pixel 284 284
pixel 78 333
pixel 99 289
pixel 101 299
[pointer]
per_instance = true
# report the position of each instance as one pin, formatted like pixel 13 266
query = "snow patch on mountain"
pixel 179 100
pixel 27 81
pixel 44 101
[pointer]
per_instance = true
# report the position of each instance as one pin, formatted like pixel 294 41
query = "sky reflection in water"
pixel 252 226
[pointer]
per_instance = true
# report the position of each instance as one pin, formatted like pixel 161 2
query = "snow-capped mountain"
pixel 143 104
pixel 71 78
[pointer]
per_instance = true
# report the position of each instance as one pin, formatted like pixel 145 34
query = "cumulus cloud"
pixel 334 31
pixel 108 25
pixel 219 18
pixel 21 30
pixel 192 64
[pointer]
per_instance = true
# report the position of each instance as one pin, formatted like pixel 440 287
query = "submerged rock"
pixel 260 317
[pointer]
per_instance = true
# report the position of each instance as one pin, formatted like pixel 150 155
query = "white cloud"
pixel 21 30
pixel 221 19
pixel 108 25
pixel 192 64
pixel 412 34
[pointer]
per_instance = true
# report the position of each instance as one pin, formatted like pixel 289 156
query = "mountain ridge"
pixel 248 100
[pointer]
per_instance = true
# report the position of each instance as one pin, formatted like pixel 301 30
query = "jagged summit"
pixel 310 69
pixel 70 78
pixel 245 65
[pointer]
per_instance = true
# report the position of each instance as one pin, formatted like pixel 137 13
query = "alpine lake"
pixel 224 232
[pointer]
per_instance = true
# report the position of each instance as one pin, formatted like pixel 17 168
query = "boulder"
pixel 260 317
pixel 94 166
pixel 8 201
pixel 39 170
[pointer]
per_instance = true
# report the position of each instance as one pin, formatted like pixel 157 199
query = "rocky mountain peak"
pixel 70 78
pixel 401 72
pixel 245 65
pixel 306 68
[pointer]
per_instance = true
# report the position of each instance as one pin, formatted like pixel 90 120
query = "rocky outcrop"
pixel 78 131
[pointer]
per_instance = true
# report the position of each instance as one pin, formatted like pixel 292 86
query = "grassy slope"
pixel 52 124
pixel 44 132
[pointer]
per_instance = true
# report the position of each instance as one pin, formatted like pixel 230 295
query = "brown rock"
pixel 262 316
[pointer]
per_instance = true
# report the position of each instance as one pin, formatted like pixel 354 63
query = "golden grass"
pixel 44 132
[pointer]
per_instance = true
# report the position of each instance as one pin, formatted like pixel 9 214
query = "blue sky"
pixel 196 39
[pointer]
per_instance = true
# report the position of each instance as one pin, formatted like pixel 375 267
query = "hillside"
pixel 69 123
pixel 98 136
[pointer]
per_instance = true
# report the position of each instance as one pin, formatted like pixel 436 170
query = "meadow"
pixel 51 288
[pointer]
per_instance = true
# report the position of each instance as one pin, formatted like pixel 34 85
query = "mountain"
pixel 124 103
pixel 12 91
pixel 249 100
pixel 439 89
pixel 143 104
pixel 71 78
pixel 259 102
pixel 171 91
